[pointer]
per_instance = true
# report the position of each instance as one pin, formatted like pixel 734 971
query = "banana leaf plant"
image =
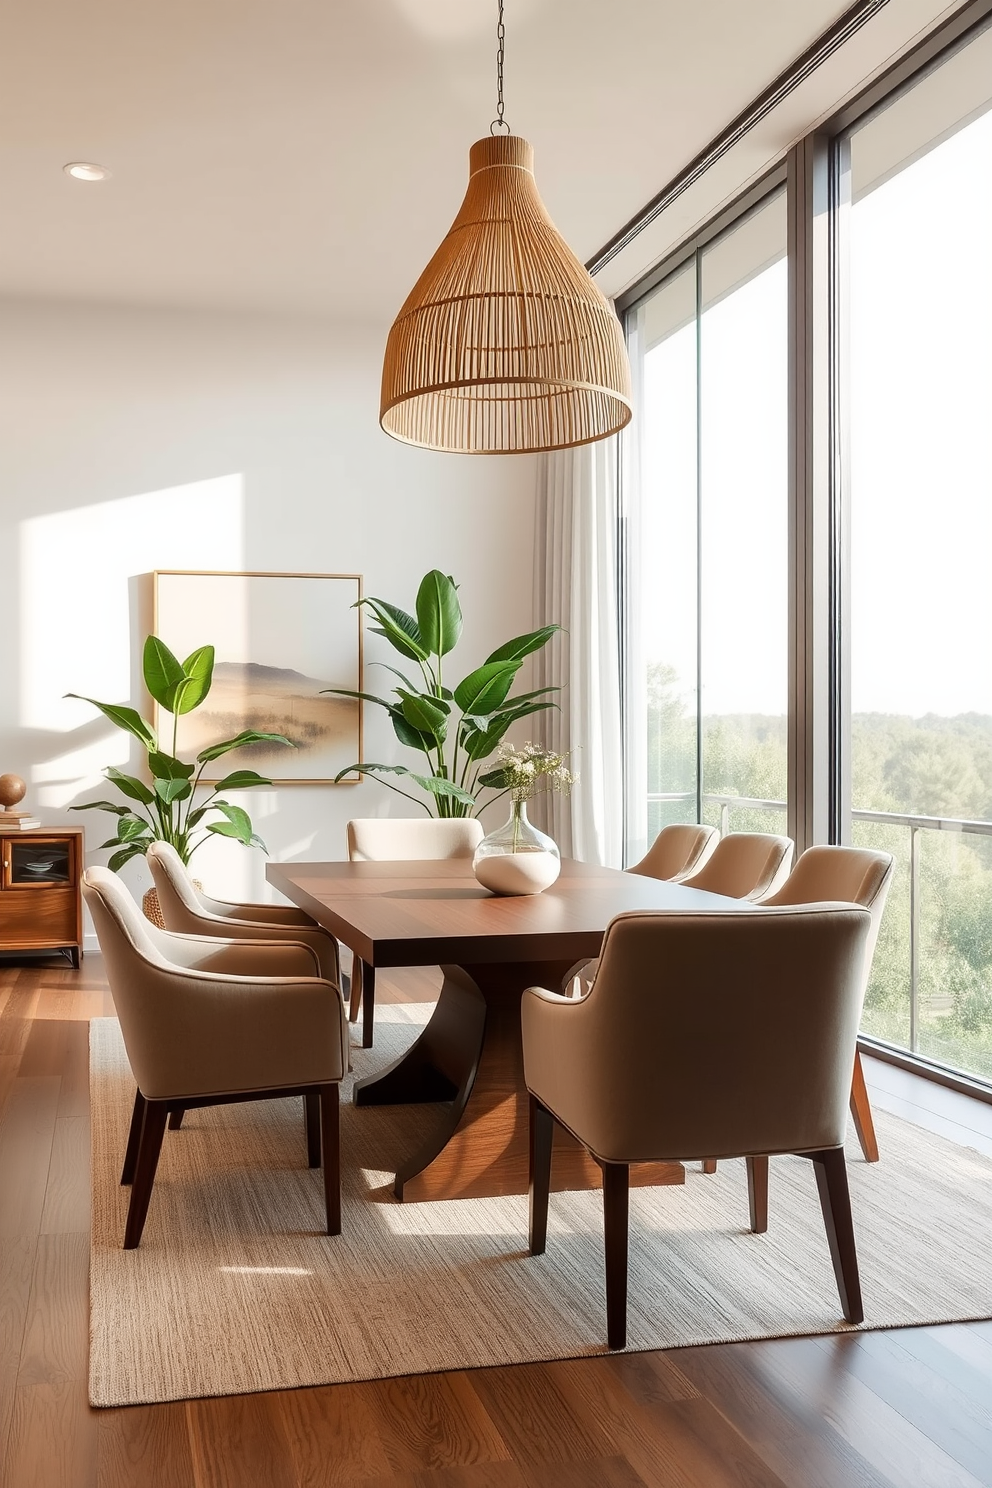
pixel 455 729
pixel 166 810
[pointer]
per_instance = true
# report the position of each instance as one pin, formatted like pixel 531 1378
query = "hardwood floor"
pixel 910 1407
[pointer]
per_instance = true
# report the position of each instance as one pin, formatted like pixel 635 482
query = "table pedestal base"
pixel 470 1054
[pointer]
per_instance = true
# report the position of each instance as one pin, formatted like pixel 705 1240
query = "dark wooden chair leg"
pixel 709 1165
pixel 368 1003
pixel 616 1185
pixel 830 1167
pixel 176 1118
pixel 864 1125
pixel 757 1193
pixel 356 990
pixel 152 1132
pixel 133 1138
pixel 542 1130
pixel 311 1113
pixel 330 1135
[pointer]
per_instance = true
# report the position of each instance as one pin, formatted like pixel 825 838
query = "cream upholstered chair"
pixel 692 1041
pixel 745 865
pixel 400 839
pixel 206 1022
pixel 187 911
pixel 677 851
pixel 857 876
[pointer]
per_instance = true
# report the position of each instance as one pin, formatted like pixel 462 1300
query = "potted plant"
pixel 455 729
pixel 167 809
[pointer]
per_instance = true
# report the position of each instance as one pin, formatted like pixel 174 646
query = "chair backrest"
pixel 133 950
pixel 698 1044
pixel 854 875
pixel 178 900
pixel 677 851
pixel 406 839
pixel 745 865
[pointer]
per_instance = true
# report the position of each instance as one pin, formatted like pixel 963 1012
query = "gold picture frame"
pixel 280 638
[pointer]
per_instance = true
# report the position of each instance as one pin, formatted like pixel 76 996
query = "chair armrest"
pixel 196 1034
pixel 562 1054
pixel 253 958
pixel 259 914
pixel 545 994
pixel 319 941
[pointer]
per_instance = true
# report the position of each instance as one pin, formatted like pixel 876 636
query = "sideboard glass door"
pixel 37 863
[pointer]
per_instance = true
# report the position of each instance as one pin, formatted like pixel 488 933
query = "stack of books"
pixel 17 821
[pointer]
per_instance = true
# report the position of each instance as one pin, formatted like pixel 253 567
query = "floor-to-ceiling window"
pixel 890 341
pixel 708 676
pixel 919 321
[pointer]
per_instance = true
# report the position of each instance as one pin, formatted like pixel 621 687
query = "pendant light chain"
pixel 499 122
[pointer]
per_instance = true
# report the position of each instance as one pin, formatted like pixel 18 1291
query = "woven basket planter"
pixel 151 908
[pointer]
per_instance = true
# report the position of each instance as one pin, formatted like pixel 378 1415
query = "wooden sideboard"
pixel 40 896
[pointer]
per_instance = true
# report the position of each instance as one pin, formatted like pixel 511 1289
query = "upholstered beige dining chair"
pixel 398 839
pixel 188 911
pixel 857 876
pixel 692 1042
pixel 207 1022
pixel 745 865
pixel 678 850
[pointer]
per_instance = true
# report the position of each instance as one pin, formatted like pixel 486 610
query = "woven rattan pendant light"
pixel 505 345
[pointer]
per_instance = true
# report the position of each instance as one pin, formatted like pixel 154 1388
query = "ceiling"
pixel 306 156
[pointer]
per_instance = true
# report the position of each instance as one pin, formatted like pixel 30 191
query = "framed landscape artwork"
pixel 280 639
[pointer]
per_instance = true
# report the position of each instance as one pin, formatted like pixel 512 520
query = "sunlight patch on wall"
pixel 78 625
pixel 75 567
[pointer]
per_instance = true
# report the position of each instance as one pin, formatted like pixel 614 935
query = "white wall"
pixel 136 439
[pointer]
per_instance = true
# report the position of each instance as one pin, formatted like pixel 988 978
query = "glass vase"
pixel 517 858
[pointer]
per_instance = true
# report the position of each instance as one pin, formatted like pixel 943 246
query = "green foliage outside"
pixel 927 766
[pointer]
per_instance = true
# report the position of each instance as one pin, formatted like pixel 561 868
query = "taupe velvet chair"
pixel 745 865
pixel 187 911
pixel 856 876
pixel 692 1042
pixel 398 839
pixel 678 851
pixel 206 1022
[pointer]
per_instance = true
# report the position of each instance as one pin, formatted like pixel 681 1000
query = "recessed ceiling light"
pixel 85 170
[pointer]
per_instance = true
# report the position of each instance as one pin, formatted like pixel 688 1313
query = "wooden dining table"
pixel 469 1055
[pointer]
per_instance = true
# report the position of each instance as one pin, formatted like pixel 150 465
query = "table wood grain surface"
pixel 425 913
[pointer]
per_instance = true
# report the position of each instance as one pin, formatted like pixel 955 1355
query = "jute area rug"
pixel 234 1288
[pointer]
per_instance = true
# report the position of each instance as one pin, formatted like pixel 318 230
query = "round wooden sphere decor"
pixel 12 790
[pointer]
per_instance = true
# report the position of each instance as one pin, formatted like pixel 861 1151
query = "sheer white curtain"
pixel 577 586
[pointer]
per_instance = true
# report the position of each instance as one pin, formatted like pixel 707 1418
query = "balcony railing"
pixel 915 825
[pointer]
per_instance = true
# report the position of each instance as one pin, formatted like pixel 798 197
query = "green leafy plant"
pixel 456 729
pixel 166 810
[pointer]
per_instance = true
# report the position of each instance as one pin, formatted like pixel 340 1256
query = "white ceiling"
pixel 308 155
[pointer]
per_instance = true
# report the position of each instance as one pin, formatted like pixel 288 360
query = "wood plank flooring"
pixel 911 1408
